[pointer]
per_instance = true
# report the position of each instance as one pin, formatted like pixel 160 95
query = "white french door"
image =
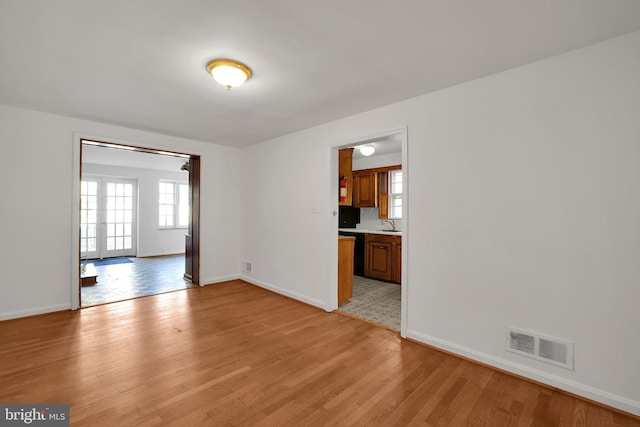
pixel 89 218
pixel 118 222
pixel 107 217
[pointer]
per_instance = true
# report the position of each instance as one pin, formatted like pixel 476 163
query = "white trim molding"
pixel 216 280
pixel 34 311
pixel 311 301
pixel 601 396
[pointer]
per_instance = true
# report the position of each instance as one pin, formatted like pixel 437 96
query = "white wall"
pixel 369 220
pixel 36 164
pixel 152 240
pixel 524 208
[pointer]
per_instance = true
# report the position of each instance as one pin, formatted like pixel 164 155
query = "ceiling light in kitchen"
pixel 367 150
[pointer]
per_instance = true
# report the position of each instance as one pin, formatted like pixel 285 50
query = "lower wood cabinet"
pixel 345 268
pixel 383 257
pixel 396 274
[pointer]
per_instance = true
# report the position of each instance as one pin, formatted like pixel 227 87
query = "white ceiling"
pixel 141 64
pixel 390 144
pixel 101 155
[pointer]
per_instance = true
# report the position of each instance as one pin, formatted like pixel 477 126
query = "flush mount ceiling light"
pixel 367 150
pixel 228 73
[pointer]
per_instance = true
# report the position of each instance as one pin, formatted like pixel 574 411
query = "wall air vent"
pixel 540 347
pixel 552 350
pixel 521 342
pixel 246 267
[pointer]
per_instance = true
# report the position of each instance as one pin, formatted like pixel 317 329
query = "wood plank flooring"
pixel 235 354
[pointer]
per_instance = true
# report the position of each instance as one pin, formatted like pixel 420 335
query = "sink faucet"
pixel 393 223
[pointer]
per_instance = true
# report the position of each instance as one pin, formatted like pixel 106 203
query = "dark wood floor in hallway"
pixel 236 354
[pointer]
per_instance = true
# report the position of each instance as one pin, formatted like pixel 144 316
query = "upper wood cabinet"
pixel 371 189
pixel 345 193
pixel 364 189
pixel 383 194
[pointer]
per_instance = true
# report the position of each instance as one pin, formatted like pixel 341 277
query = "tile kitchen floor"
pixel 375 301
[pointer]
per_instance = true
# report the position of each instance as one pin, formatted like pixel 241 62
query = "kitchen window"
pixel 173 205
pixel 395 194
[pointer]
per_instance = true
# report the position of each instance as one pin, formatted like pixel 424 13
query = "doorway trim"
pixel 75 201
pixel 332 291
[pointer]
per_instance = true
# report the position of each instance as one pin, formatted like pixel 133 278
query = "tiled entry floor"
pixel 143 276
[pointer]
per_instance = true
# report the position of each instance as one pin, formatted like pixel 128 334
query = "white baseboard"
pixel 215 280
pixel 157 255
pixel 591 393
pixel 33 311
pixel 276 289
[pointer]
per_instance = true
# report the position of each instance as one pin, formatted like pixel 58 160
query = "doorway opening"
pixel 138 222
pixel 372 224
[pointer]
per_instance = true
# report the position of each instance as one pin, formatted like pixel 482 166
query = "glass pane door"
pixel 119 233
pixel 107 217
pixel 89 219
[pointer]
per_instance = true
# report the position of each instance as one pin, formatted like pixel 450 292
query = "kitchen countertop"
pixel 360 230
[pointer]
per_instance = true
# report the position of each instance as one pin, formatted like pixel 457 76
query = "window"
pixel 173 205
pixel 395 194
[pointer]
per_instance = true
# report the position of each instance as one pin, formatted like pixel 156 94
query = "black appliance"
pixel 348 217
pixel 358 251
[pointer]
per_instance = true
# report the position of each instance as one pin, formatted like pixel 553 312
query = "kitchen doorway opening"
pixel 138 222
pixel 371 198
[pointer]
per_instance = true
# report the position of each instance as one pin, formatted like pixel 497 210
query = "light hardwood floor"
pixel 235 354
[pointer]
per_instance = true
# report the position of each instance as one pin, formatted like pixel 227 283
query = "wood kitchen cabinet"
pixel 396 271
pixel 371 189
pixel 382 194
pixel 383 257
pixel 364 189
pixel 345 160
pixel 345 268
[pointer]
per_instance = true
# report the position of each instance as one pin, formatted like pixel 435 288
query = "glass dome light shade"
pixel 228 73
pixel 367 150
